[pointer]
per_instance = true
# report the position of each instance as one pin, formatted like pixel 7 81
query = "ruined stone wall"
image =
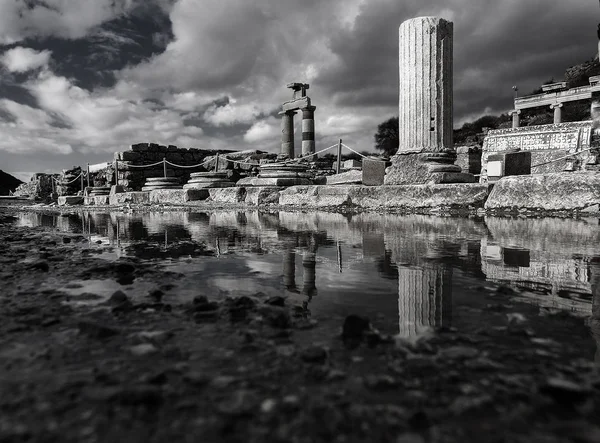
pixel 132 179
pixel 546 142
pixel 38 188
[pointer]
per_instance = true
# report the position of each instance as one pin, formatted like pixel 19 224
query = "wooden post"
pixel 217 162
pixel 338 165
pixel 116 172
pixel 165 166
pixel 88 174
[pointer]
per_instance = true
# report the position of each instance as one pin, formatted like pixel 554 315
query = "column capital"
pixel 514 111
pixel 292 113
pixel 556 105
pixel 309 108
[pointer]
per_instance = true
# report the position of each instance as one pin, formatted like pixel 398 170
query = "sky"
pixel 81 79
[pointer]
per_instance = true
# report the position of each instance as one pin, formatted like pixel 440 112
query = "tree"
pixel 386 137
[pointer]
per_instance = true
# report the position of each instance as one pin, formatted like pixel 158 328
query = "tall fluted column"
pixel 308 130
pixel 425 110
pixel 287 133
pixel 424 299
pixel 425 152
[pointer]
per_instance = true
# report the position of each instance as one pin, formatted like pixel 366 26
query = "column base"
pixel 423 168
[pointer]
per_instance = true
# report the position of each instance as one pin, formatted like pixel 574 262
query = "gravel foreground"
pixel 252 369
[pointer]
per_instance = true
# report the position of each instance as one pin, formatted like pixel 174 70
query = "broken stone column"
pixel 425 152
pixel 287 133
pixel 308 130
pixel 515 113
pixel 557 112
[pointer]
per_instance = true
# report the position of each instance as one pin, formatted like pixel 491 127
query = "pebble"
pixel 314 354
pixel 143 349
pixel 96 330
pixel 355 326
pixel 118 298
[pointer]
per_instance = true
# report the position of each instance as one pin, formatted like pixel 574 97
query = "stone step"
pixel 210 174
pixel 162 179
pixel 217 184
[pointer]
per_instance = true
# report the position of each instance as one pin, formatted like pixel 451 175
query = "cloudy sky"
pixel 80 79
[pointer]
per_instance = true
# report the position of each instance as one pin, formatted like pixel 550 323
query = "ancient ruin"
pixel 300 101
pixel 425 152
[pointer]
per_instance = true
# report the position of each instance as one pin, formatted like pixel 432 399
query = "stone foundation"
pixel 563 191
pixel 413 169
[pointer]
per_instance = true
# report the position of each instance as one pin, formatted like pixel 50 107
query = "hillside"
pixel 8 183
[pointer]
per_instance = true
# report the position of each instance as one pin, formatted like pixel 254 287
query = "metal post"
pixel 165 166
pixel 116 172
pixel 338 165
pixel 81 181
pixel 88 174
pixel 217 162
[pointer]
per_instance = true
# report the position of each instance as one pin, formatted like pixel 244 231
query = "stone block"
pixel 129 197
pixel 227 195
pixel 373 172
pixel 411 198
pixel 130 156
pixel 140 147
pixel 408 169
pixel 262 195
pixel 177 196
pixel 114 189
pixel 101 200
pixel 350 164
pixel 508 163
pixel 345 178
pixel 560 191
pixel 257 181
pixel 70 200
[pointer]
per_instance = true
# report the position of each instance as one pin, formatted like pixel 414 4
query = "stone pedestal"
pixel 205 180
pixel 154 183
pixel 425 153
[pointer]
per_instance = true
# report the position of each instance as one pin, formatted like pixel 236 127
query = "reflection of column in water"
pixel 289 270
pixel 594 321
pixel 424 298
pixel 309 263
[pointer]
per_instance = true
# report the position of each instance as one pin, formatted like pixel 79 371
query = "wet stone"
pixel 314 354
pixel 96 330
pixel 564 391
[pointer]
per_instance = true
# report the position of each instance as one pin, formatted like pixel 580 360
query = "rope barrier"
pixel 295 160
pixel 183 166
pixel 68 183
pixel 561 158
pixel 363 156
pixel 143 166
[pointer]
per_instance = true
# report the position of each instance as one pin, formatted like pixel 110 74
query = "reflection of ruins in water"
pixel 548 258
pixel 424 298
pixel 594 320
pixel 295 253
